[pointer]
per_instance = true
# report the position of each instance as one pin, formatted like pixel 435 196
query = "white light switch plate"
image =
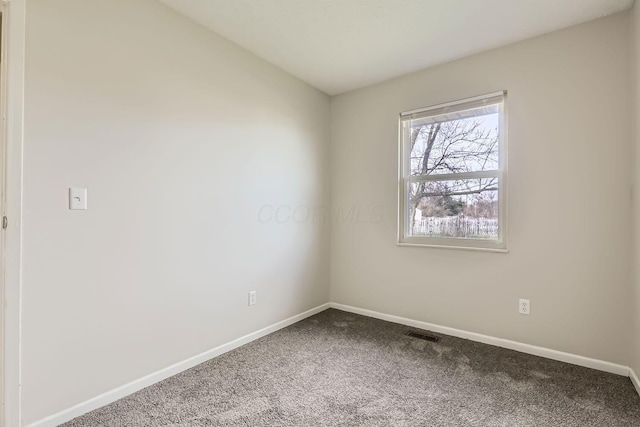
pixel 77 198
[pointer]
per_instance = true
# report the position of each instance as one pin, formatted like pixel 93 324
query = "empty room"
pixel 320 212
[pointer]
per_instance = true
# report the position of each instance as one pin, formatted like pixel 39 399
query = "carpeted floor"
pixel 341 369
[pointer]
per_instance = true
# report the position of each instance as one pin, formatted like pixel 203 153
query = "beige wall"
pixel 569 197
pixel 180 137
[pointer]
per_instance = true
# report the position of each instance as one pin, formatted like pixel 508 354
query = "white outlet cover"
pixel 524 306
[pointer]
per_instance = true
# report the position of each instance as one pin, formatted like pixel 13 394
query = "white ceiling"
pixel 340 45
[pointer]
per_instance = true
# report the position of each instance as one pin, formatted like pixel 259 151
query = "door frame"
pixel 12 110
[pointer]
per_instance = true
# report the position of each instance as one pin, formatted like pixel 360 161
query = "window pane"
pixel 466 208
pixel 466 141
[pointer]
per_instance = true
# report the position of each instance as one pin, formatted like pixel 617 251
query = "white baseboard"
pixel 634 380
pixel 600 365
pixel 127 389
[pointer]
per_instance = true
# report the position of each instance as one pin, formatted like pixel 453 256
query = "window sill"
pixel 466 248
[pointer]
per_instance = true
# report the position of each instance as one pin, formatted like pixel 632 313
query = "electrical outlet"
pixel 252 298
pixel 524 306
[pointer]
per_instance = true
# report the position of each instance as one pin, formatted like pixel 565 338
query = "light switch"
pixel 78 198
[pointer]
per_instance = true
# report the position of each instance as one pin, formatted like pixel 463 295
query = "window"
pixel 453 174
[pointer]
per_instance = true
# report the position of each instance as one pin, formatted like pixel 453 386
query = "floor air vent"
pixel 423 336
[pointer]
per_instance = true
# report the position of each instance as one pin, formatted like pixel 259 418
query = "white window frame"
pixel 405 178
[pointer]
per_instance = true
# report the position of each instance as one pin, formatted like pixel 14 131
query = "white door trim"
pixel 14 24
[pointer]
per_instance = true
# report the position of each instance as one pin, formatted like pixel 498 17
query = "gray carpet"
pixel 341 369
